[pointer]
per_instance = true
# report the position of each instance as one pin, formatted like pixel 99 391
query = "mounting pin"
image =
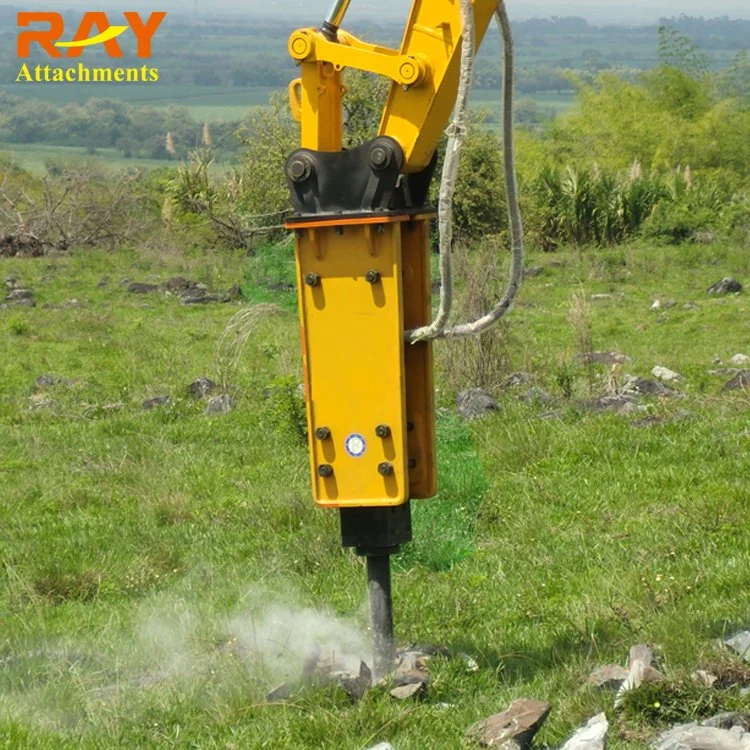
pixel 322 433
pixel 325 471
pixel 383 431
pixel 372 277
pixel 385 469
pixel 312 279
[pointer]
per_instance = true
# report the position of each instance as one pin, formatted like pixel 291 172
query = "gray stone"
pixel 26 302
pixel 538 397
pixel 644 387
pixel 235 292
pixel 600 297
pixel 104 281
pixel 604 358
pixel 407 692
pixel 137 287
pixel 10 282
pixel 608 677
pixel 740 360
pixel 531 271
pixel 514 727
pixel 48 381
pixel 658 304
pixel 178 284
pixel 641 671
pixel 382 746
pixel 740 382
pixel 641 652
pixel 740 642
pixel 695 737
pixel 16 295
pixel 727 285
pixel 666 375
pixel 157 401
pixel 516 379
pixel 724 372
pixel 201 388
pixel 690 306
pixel 728 720
pixel 591 737
pixel 200 297
pixel 411 669
pixel 356 687
pixel 279 693
pixel 221 404
pixel 475 404
pixel 622 404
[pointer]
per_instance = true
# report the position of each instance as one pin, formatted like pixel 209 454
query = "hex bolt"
pixel 325 471
pixel 312 279
pixel 385 469
pixel 383 431
pixel 322 433
pixel 372 277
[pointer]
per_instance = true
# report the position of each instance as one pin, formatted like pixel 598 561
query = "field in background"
pixel 35 157
pixel 148 554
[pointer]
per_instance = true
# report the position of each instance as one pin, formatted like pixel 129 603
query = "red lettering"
pixel 46 39
pixel 144 33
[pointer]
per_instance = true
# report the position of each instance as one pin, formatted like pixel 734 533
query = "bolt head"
pixel 322 433
pixel 372 277
pixel 312 279
pixel 299 169
pixel 380 157
pixel 385 469
pixel 383 431
pixel 325 471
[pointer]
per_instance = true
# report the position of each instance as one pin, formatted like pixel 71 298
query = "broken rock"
pixel 138 288
pixel 740 382
pixel 201 387
pixel 695 737
pixel 221 404
pixel 608 677
pixel 666 375
pixel 153 403
pixel 591 737
pixel 645 387
pixel 740 642
pixel 727 285
pixel 514 727
pixel 411 669
pixel 729 720
pixel 475 404
pixel 406 692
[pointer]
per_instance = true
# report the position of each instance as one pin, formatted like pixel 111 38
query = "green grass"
pixel 141 550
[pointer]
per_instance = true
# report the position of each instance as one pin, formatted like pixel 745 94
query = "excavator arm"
pixel 423 72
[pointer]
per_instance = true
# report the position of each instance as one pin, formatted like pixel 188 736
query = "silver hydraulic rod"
pixel 381 614
pixel 335 18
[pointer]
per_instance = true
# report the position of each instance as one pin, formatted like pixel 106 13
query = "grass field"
pixel 162 569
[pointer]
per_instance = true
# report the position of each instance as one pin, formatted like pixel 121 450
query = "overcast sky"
pixel 628 11
pixel 306 12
